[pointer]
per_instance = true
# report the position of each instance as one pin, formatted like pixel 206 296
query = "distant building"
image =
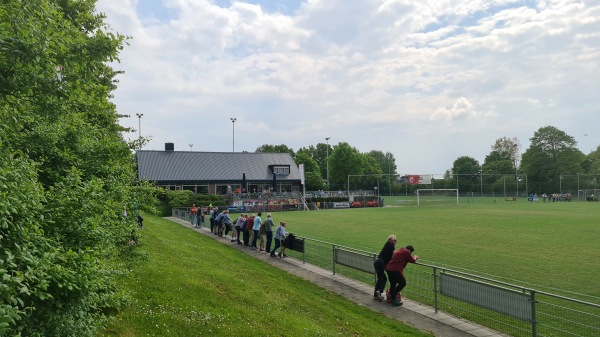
pixel 219 172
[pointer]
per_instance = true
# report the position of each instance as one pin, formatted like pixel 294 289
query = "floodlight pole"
pixel 516 168
pixel 139 124
pixel 233 119
pixel 327 162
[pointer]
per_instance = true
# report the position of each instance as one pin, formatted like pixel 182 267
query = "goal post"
pixel 437 196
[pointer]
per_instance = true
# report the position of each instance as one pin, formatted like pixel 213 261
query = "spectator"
pixel 268 232
pixel 219 224
pixel 238 227
pixel 263 237
pixel 249 226
pixel 280 236
pixel 385 255
pixel 255 229
pixel 395 271
pixel 226 222
pixel 193 211
pixel 202 215
pixel 212 215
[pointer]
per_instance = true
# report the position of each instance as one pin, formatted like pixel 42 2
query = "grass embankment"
pixel 547 245
pixel 191 285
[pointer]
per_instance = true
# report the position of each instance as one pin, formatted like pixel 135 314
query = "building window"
pixel 282 170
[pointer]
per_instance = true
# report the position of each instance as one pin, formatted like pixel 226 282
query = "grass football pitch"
pixel 552 247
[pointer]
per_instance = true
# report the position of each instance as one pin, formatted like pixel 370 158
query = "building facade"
pixel 219 172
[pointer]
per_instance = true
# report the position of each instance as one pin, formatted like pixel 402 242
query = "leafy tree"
pixel 498 163
pixel 387 166
pixel 372 171
pixel 319 154
pixel 312 174
pixel 310 151
pixel 466 169
pixel 266 148
pixel 502 160
pixel 60 142
pixel 507 149
pixel 592 162
pixel 310 165
pixel 552 152
pixel 344 161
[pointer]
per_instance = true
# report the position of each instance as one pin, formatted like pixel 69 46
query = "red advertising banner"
pixel 413 179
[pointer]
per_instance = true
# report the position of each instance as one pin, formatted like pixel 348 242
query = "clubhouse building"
pixel 222 173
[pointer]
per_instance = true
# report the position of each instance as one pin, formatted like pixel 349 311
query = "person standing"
pixel 238 227
pixel 268 232
pixel 280 235
pixel 395 271
pixel 249 232
pixel 226 222
pixel 263 237
pixel 255 229
pixel 385 255
pixel 212 215
pixel 219 224
pixel 200 215
pixel 193 211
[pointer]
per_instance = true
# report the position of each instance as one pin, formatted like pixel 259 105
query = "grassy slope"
pixel 191 285
pixel 550 245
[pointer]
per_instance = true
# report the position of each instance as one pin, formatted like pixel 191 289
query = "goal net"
pixel 588 195
pixel 434 196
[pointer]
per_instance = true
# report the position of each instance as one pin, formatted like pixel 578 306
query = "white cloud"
pixel 461 109
pixel 378 75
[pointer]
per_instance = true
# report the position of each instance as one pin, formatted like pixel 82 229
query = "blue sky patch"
pixel 155 10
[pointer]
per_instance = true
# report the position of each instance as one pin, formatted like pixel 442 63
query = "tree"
pixel 507 149
pixel 498 163
pixel 466 169
pixel 64 232
pixel 552 153
pixel 319 154
pixel 312 174
pixel 344 161
pixel 387 167
pixel 266 148
pixel 502 160
pixel 592 162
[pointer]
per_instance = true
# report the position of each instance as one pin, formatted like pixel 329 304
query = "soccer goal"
pixel 435 196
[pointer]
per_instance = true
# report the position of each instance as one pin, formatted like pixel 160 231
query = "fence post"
pixel 375 272
pixel 304 251
pixel 435 288
pixel 333 259
pixel 533 315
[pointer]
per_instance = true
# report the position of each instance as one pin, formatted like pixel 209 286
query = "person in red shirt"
pixel 395 271
pixel 193 211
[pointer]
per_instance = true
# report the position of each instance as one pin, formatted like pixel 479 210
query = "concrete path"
pixel 420 316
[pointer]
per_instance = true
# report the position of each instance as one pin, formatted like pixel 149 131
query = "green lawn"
pixel 191 285
pixel 551 247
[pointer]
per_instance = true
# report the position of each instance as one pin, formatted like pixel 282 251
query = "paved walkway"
pixel 420 316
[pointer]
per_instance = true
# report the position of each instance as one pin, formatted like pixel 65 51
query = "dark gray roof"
pixel 212 166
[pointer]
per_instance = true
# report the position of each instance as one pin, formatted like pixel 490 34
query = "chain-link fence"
pixel 507 308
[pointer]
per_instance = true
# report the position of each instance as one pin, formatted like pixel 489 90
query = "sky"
pixel 428 81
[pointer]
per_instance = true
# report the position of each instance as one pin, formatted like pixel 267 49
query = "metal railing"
pixel 511 309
